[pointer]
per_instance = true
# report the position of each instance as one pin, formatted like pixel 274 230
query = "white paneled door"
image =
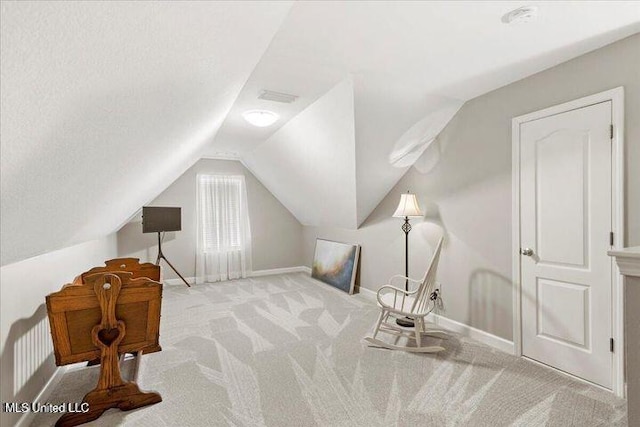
pixel 565 225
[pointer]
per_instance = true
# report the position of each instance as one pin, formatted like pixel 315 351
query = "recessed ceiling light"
pixel 260 118
pixel 521 14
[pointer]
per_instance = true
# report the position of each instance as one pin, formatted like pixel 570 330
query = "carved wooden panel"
pixel 75 310
pixel 131 265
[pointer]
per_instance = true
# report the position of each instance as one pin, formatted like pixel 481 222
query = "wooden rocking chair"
pixel 416 305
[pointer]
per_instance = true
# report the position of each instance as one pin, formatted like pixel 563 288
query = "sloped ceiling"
pixel 313 157
pixel 104 104
pixel 412 64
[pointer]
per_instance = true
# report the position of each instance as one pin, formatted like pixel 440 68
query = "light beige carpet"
pixel 287 351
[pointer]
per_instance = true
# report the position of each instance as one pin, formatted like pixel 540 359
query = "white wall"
pixel 276 235
pixel 309 163
pixel 464 182
pixel 104 104
pixel 27 361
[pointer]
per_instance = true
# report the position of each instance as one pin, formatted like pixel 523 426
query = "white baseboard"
pixel 285 270
pixel 178 281
pixel 27 418
pixel 368 294
pixel 471 332
pixel 305 269
pixel 256 273
pixel 460 328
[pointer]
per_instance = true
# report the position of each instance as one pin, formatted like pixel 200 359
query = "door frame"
pixel 616 96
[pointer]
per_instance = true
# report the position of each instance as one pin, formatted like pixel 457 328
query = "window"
pixel 224 237
pixel 220 209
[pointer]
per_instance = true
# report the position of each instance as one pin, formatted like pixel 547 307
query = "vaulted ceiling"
pixel 411 66
pixel 104 104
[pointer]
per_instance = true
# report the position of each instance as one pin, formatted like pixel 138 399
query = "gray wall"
pixel 276 235
pixel 464 182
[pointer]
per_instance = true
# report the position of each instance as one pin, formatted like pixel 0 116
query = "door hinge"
pixel 611 345
pixel 611 238
pixel 610 131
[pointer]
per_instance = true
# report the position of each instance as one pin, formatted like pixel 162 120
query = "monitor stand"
pixel 161 256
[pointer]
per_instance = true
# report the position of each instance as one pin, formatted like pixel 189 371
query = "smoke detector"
pixel 521 15
pixel 270 95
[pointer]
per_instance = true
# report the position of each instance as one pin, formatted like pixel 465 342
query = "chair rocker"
pixel 397 303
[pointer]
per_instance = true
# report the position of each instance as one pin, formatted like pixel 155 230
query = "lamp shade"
pixel 408 206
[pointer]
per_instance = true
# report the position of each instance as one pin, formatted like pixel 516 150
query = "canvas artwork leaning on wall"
pixel 336 264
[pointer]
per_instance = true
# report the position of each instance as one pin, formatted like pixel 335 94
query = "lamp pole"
pixel 406 227
pixel 161 256
pixel 408 207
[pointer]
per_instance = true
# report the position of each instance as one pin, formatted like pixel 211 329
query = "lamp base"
pixel 406 322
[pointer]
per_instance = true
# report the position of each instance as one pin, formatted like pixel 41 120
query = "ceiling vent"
pixel 521 14
pixel 270 95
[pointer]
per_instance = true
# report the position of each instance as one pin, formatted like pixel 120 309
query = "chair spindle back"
pixel 421 303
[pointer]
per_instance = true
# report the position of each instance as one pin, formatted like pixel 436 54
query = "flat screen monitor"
pixel 157 219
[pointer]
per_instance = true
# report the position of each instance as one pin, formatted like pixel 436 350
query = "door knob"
pixel 526 251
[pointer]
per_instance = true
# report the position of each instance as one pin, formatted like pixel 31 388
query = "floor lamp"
pixel 407 208
pixel 158 219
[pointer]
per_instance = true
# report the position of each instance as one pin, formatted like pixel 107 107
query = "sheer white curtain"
pixel 224 237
